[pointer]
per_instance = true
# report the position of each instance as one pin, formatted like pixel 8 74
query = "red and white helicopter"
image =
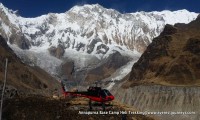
pixel 96 94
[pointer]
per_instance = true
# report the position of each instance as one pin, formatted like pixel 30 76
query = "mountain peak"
pixel 91 32
pixel 11 15
pixel 89 8
pixel 1 5
pixel 5 9
pixel 92 5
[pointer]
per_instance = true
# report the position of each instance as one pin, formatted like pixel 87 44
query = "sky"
pixel 34 8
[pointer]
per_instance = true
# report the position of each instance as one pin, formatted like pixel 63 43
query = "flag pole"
pixel 3 90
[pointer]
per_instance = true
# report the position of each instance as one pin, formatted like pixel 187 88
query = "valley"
pixel 148 60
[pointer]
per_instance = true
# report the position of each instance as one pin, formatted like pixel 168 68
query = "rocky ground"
pixel 43 108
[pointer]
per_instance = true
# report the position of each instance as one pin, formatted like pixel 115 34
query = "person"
pixel 64 89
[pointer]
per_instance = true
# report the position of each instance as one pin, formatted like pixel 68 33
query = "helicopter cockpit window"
pixel 103 94
pixel 107 93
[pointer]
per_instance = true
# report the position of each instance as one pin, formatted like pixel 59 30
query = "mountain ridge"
pixel 101 13
pixel 91 32
pixel 23 79
pixel 172 57
pixel 166 76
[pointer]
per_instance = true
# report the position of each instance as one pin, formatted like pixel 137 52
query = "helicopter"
pixel 96 94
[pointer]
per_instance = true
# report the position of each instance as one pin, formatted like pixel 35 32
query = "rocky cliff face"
pixel 90 31
pixel 23 79
pixel 158 98
pixel 89 28
pixel 166 77
pixel 172 58
pixel 107 67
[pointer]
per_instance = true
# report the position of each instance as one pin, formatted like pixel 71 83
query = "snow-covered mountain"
pixel 90 31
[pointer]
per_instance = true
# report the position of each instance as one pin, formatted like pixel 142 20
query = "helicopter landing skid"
pixel 103 105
